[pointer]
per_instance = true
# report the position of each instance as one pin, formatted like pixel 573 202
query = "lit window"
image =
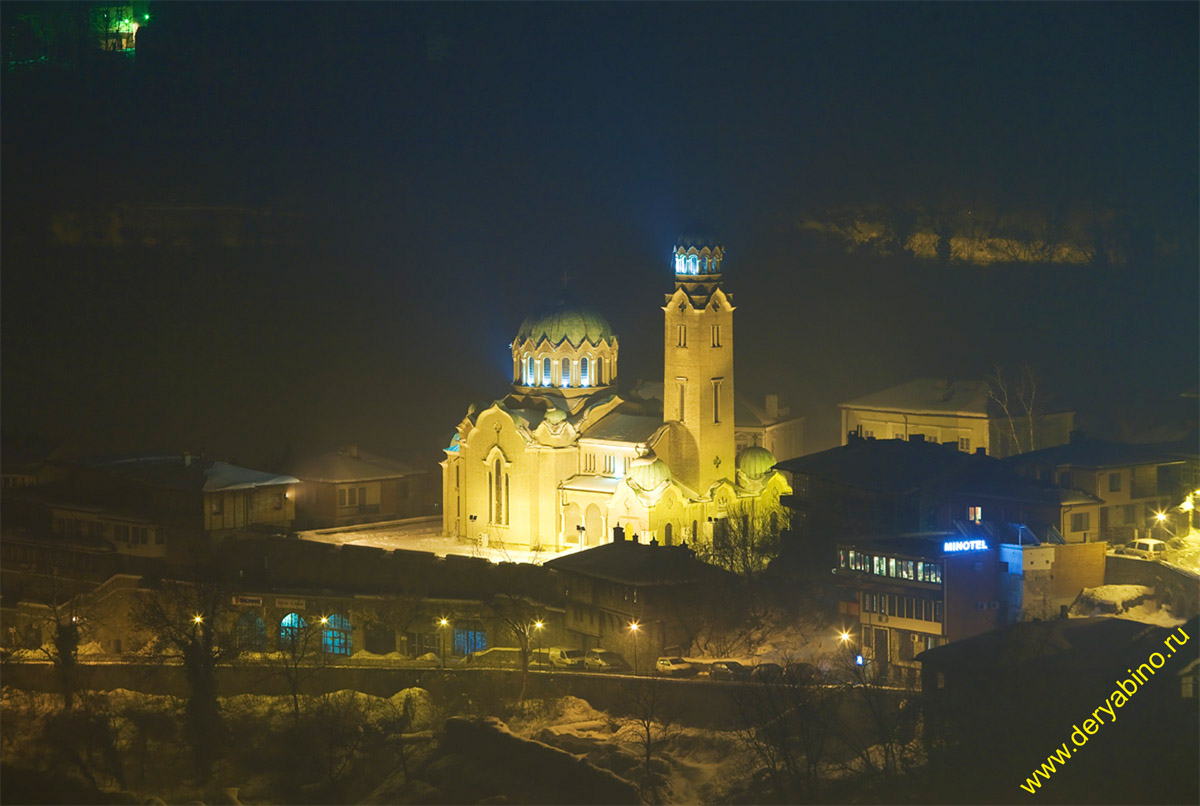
pixel 583 371
pixel 290 629
pixel 335 638
pixel 693 263
pixel 531 371
pixel 975 514
pixel 680 268
pixel 546 371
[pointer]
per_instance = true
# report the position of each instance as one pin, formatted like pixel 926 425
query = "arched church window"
pixel 679 265
pixel 599 371
pixel 564 378
pixel 695 532
pixel 693 264
pixel 507 511
pixel 583 371
pixel 545 372
pixel 498 504
pixel 530 371
pixel 668 536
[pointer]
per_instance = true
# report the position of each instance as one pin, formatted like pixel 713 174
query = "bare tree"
pixel 747 539
pixel 647 722
pixel 521 616
pixel 188 621
pixel 1018 401
pixel 299 659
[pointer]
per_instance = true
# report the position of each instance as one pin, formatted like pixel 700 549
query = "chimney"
pixel 618 534
pixel 773 407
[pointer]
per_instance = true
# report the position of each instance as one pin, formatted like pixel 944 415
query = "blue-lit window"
pixel 469 638
pixel 679 265
pixel 693 264
pixel 335 638
pixel 531 371
pixel 564 376
pixel 290 628
pixel 251 633
pixel 546 371
pixel 583 371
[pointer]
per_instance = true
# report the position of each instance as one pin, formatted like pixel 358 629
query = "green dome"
pixel 648 472
pixel 755 462
pixel 564 321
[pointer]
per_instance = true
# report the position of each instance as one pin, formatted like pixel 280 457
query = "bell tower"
pixel 698 366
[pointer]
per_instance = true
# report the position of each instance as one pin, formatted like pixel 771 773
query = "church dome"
pixel 755 462
pixel 697 235
pixel 648 472
pixel 565 321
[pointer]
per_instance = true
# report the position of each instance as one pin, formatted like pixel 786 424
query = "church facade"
pixel 563 459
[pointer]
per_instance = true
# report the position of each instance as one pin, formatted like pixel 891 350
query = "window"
pixel 891 563
pixel 498 494
pixel 289 631
pixel 682 384
pixel 975 514
pixel 964 444
pixel 599 371
pixel 545 372
pixel 352 497
pixel 218 504
pixel 564 376
pixel 335 638
pixel 342 497
pixel 937 612
pixel 250 633
pixel 589 463
pixel 530 371
pixel 610 465
pixel 926 610
pixel 881 566
pixel 716 400
pixel 1080 521
pixel 469 638
pixel 716 335
pixel 682 341
pixel 583 372
pixel 1114 482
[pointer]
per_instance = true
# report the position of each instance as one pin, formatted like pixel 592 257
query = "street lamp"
pixel 443 622
pixel 537 636
pixel 633 629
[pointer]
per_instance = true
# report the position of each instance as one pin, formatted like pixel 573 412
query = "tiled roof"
pixel 1103 453
pixel 637 564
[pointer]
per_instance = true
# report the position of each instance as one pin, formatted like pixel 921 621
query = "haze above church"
pixel 564 458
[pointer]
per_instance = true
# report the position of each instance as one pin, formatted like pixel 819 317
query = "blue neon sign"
pixel 950 546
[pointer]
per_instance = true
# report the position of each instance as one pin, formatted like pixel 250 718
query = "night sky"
pixel 449 163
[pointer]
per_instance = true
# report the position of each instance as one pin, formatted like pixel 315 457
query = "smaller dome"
pixel 555 416
pixel 648 472
pixel 755 462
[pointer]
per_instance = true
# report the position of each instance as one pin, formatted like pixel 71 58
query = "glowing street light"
pixel 537 636
pixel 443 622
pixel 633 630
pixel 197 619
pixel 1160 516
pixel 845 636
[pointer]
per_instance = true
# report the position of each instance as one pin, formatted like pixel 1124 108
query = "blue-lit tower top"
pixel 697 259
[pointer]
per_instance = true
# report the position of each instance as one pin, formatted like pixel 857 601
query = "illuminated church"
pixel 564 459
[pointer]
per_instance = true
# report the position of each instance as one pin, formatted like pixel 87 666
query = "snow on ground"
pixel 1133 602
pixel 424 534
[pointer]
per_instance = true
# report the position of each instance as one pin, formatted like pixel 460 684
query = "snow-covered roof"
pixel 351 464
pixel 928 396
pixel 190 474
pixel 631 428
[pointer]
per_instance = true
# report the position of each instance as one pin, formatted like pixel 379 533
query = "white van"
pixel 564 658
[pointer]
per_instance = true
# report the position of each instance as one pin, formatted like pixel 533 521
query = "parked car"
pixel 1147 548
pixel 498 657
pixel 801 673
pixel 604 660
pixel 563 658
pixel 767 673
pixel 729 670
pixel 675 667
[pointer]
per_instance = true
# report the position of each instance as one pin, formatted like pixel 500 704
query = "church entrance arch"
pixel 594 524
pixel 572 519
